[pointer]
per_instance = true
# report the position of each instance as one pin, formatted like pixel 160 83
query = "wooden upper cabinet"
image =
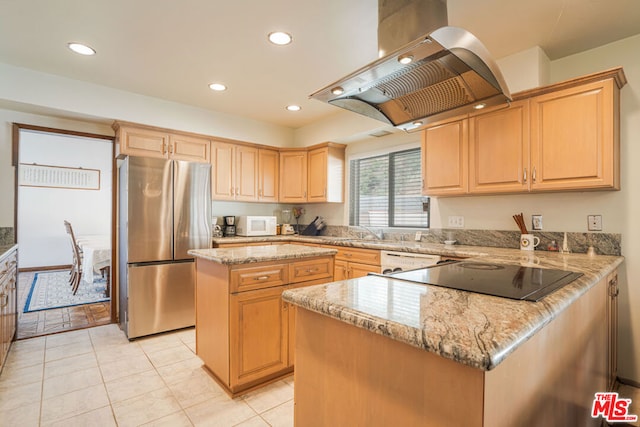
pixel 293 176
pixel 246 173
pixel 326 174
pixel 445 153
pixel 222 170
pixel 499 150
pixel 574 138
pixel 138 140
pixel 183 147
pixel 142 142
pixel 268 176
pixel 559 137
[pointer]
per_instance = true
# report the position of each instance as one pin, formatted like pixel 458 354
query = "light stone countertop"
pixel 253 254
pixel 473 329
pixel 5 249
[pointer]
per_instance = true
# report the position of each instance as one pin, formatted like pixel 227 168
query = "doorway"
pixel 63 176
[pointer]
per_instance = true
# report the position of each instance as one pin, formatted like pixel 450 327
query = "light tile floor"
pixel 96 377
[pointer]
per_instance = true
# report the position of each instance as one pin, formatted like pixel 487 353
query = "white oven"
pixel 252 225
pixel 392 262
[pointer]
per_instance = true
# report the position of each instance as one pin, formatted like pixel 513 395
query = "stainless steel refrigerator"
pixel 165 210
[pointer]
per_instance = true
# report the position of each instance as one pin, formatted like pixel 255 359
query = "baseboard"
pixel 49 267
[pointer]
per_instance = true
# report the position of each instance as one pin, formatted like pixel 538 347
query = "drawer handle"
pixel 348 254
pixel 261 278
pixel 312 270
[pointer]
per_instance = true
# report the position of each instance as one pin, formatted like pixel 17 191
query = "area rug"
pixel 51 289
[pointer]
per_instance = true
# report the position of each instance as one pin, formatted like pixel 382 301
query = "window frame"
pixel 350 214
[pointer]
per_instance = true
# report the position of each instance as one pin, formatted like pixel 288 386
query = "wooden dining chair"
pixel 76 267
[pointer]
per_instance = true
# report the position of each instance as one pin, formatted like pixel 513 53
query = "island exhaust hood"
pixel 441 72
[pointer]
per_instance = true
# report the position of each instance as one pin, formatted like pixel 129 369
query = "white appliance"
pixel 392 262
pixel 251 225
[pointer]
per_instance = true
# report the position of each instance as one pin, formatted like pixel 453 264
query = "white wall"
pixel 41 211
pixel 7 172
pixel 47 90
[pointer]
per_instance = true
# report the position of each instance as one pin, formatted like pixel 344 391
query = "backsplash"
pixel 604 243
pixel 7 237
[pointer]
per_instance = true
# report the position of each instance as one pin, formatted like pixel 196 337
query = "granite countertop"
pixel 252 254
pixel 5 249
pixel 387 245
pixel 473 329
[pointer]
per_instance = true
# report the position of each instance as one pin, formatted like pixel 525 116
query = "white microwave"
pixel 250 225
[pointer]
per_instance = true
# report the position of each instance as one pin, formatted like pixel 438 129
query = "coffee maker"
pixel 229 226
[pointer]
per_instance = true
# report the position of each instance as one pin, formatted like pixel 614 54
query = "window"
pixel 386 191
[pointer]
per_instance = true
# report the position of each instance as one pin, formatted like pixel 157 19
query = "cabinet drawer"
pixel 250 278
pixel 362 256
pixel 317 268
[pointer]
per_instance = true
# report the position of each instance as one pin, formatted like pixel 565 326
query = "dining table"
pixel 96 254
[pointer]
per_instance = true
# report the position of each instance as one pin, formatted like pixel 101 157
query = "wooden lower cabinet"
pixel 8 302
pixel 258 334
pixel 351 263
pixel 244 330
pixel 612 330
pixel 346 375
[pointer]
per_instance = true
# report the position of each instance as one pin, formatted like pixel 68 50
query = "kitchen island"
pixel 380 351
pixel 244 330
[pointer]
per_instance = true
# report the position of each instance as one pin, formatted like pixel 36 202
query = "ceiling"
pixel 172 50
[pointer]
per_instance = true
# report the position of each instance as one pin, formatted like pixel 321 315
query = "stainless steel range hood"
pixel 443 73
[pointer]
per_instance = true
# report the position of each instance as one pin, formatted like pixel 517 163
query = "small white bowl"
pixel 449 242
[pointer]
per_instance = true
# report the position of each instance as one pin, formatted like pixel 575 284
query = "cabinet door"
pixel 317 175
pixel 574 141
pixel 246 175
pixel 222 179
pixel 612 329
pixel 499 150
pixel 189 148
pixel 268 165
pixel 340 271
pixel 293 176
pixel 445 153
pixel 259 334
pixel 143 142
pixel 360 270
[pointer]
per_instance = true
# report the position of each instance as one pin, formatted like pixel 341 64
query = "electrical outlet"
pixel 536 222
pixel 456 221
pixel 418 236
pixel 594 222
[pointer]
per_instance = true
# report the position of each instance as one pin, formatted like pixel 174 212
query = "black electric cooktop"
pixel 502 280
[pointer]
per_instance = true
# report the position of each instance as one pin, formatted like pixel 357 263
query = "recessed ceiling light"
pixel 218 87
pixel 294 107
pixel 405 59
pixel 416 124
pixel 280 38
pixel 82 49
pixel 337 90
pixel 479 106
